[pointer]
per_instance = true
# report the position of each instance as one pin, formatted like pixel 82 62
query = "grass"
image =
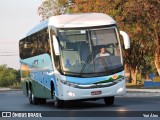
pixel 16 86
pixel 138 86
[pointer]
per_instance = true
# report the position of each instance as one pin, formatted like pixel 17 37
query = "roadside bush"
pixel 8 76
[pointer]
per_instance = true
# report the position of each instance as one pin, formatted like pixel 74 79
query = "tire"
pixel 58 103
pixel 109 100
pixel 42 101
pixel 32 99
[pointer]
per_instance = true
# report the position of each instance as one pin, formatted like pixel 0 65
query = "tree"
pixel 8 76
pixel 50 8
pixel 134 20
pixel 147 15
pixel 153 19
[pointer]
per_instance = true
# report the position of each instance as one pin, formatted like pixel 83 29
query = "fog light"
pixel 70 94
pixel 120 90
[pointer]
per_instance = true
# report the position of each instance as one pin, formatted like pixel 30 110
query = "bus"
pixel 58 59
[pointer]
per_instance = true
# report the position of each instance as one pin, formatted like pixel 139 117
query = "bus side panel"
pixel 48 76
pixel 37 84
pixel 42 83
pixel 40 69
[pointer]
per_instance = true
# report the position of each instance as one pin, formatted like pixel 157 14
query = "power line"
pixel 8 43
pixel 11 55
pixel 9 52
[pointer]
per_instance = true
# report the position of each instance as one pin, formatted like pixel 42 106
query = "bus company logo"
pixel 6 114
pixel 114 76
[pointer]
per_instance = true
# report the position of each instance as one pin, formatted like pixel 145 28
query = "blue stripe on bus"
pixel 84 81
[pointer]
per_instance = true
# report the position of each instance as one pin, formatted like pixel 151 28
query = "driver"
pixel 102 53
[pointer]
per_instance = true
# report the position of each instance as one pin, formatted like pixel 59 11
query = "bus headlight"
pixel 120 90
pixel 69 93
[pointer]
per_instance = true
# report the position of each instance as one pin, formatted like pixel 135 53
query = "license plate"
pixel 96 92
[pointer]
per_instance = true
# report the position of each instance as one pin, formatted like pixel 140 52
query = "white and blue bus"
pixel 58 59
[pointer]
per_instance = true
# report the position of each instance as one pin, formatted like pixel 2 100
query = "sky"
pixel 17 17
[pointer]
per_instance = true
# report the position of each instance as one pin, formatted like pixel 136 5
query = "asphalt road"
pixel 132 104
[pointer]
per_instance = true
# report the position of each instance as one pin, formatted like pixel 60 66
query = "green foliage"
pixel 50 8
pixel 16 85
pixel 8 76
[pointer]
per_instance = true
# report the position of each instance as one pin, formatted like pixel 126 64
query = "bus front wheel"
pixel 109 100
pixel 42 101
pixel 58 103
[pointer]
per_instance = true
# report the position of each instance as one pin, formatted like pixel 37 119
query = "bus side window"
pixel 40 43
pixel 25 48
pixel 21 44
pixel 43 40
pixel 34 46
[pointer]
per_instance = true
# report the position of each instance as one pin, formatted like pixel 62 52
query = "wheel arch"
pixel 52 88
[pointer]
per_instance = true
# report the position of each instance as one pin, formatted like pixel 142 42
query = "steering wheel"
pixel 96 60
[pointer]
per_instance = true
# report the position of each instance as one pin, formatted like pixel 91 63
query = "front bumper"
pixel 72 93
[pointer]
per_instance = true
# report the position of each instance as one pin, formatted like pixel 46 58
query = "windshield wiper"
pixel 84 65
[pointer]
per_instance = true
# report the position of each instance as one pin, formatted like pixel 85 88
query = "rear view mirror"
pixel 125 39
pixel 56 45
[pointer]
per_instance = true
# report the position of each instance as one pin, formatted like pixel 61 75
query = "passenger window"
pixel 34 45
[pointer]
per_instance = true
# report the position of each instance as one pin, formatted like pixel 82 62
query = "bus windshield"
pixel 90 51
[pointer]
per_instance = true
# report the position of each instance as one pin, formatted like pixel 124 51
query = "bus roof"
pixel 74 21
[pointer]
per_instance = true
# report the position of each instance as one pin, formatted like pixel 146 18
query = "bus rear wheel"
pixel 109 100
pixel 32 99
